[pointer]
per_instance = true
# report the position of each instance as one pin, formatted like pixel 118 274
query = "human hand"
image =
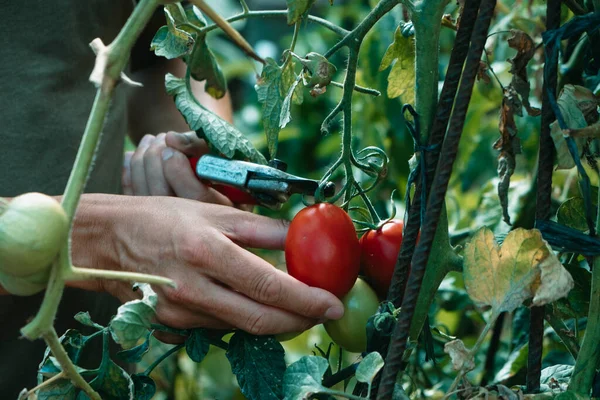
pixel 160 167
pixel 220 284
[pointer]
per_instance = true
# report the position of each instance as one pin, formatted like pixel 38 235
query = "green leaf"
pixel 572 214
pixel 304 377
pixel 504 278
pixel 171 44
pixel 73 342
pixel 569 101
pixel 135 354
pixel 112 382
pixel 560 373
pixel 203 66
pixel 318 70
pixel 132 321
pixel 197 345
pixel 258 363
pixel 273 87
pixel 62 389
pixel 86 319
pixel 401 80
pixel 369 367
pixel 515 363
pixel 293 95
pixel 143 386
pixel 219 134
pixel 297 9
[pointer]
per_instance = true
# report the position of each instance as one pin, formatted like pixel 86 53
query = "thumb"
pixel 188 143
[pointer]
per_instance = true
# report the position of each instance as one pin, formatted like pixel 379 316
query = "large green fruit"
pixel 350 332
pixel 33 228
pixel 25 286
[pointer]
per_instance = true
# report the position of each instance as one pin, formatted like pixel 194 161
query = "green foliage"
pixel 401 80
pixel 219 134
pixel 297 9
pixel 133 319
pixel 304 377
pixel 197 345
pixel 258 363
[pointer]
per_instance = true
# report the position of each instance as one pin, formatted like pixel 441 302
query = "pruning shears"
pixel 266 185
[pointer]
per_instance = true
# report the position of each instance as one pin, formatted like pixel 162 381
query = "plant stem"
pixel 341 375
pixel 67 365
pixel 589 355
pixel 245 8
pixel 47 382
pixel 82 274
pixel 426 20
pixel 359 89
pixel 567 336
pixel 278 13
pixel 44 319
pixel 163 357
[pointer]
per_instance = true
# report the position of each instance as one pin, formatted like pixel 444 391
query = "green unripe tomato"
pixel 33 228
pixel 25 286
pixel 350 332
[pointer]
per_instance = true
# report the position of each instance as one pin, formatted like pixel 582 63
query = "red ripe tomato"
pixel 322 248
pixel 379 252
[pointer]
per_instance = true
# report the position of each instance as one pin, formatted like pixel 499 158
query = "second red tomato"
pixel 379 252
pixel 322 248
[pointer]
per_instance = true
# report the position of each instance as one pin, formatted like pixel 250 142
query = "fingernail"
pixel 167 153
pixel 335 312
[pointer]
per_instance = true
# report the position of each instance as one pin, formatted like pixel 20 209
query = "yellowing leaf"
pixel 523 268
pixel 401 80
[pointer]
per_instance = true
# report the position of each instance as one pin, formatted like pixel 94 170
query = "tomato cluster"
pixel 322 250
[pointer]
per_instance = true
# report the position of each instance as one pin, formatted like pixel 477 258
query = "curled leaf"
pixel 525 47
pixel 297 9
pixel 319 71
pixel 460 356
pixel 556 281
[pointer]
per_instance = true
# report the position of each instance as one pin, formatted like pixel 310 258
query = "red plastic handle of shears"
pixel 237 196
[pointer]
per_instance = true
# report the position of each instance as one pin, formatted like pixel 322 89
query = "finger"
pixel 260 281
pixel 169 338
pixel 180 317
pixel 249 315
pixel 126 174
pixel 183 181
pixel 155 178
pixel 188 143
pixel 252 230
pixel 138 174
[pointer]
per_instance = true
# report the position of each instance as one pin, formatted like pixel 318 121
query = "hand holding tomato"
pixel 322 248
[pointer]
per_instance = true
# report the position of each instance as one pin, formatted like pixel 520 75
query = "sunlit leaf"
pixel 273 87
pixel 62 389
pixel 401 80
pixel 524 267
pixel 304 377
pixel 258 364
pixel 517 360
pixel 369 367
pixel 220 134
pixel 133 318
pixel 571 213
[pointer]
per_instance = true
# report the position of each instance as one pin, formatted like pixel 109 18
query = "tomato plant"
pixel 322 248
pixel 349 332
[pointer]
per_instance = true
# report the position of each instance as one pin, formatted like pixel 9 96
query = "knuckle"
pixel 182 294
pixel 256 323
pixel 267 288
pixel 194 250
